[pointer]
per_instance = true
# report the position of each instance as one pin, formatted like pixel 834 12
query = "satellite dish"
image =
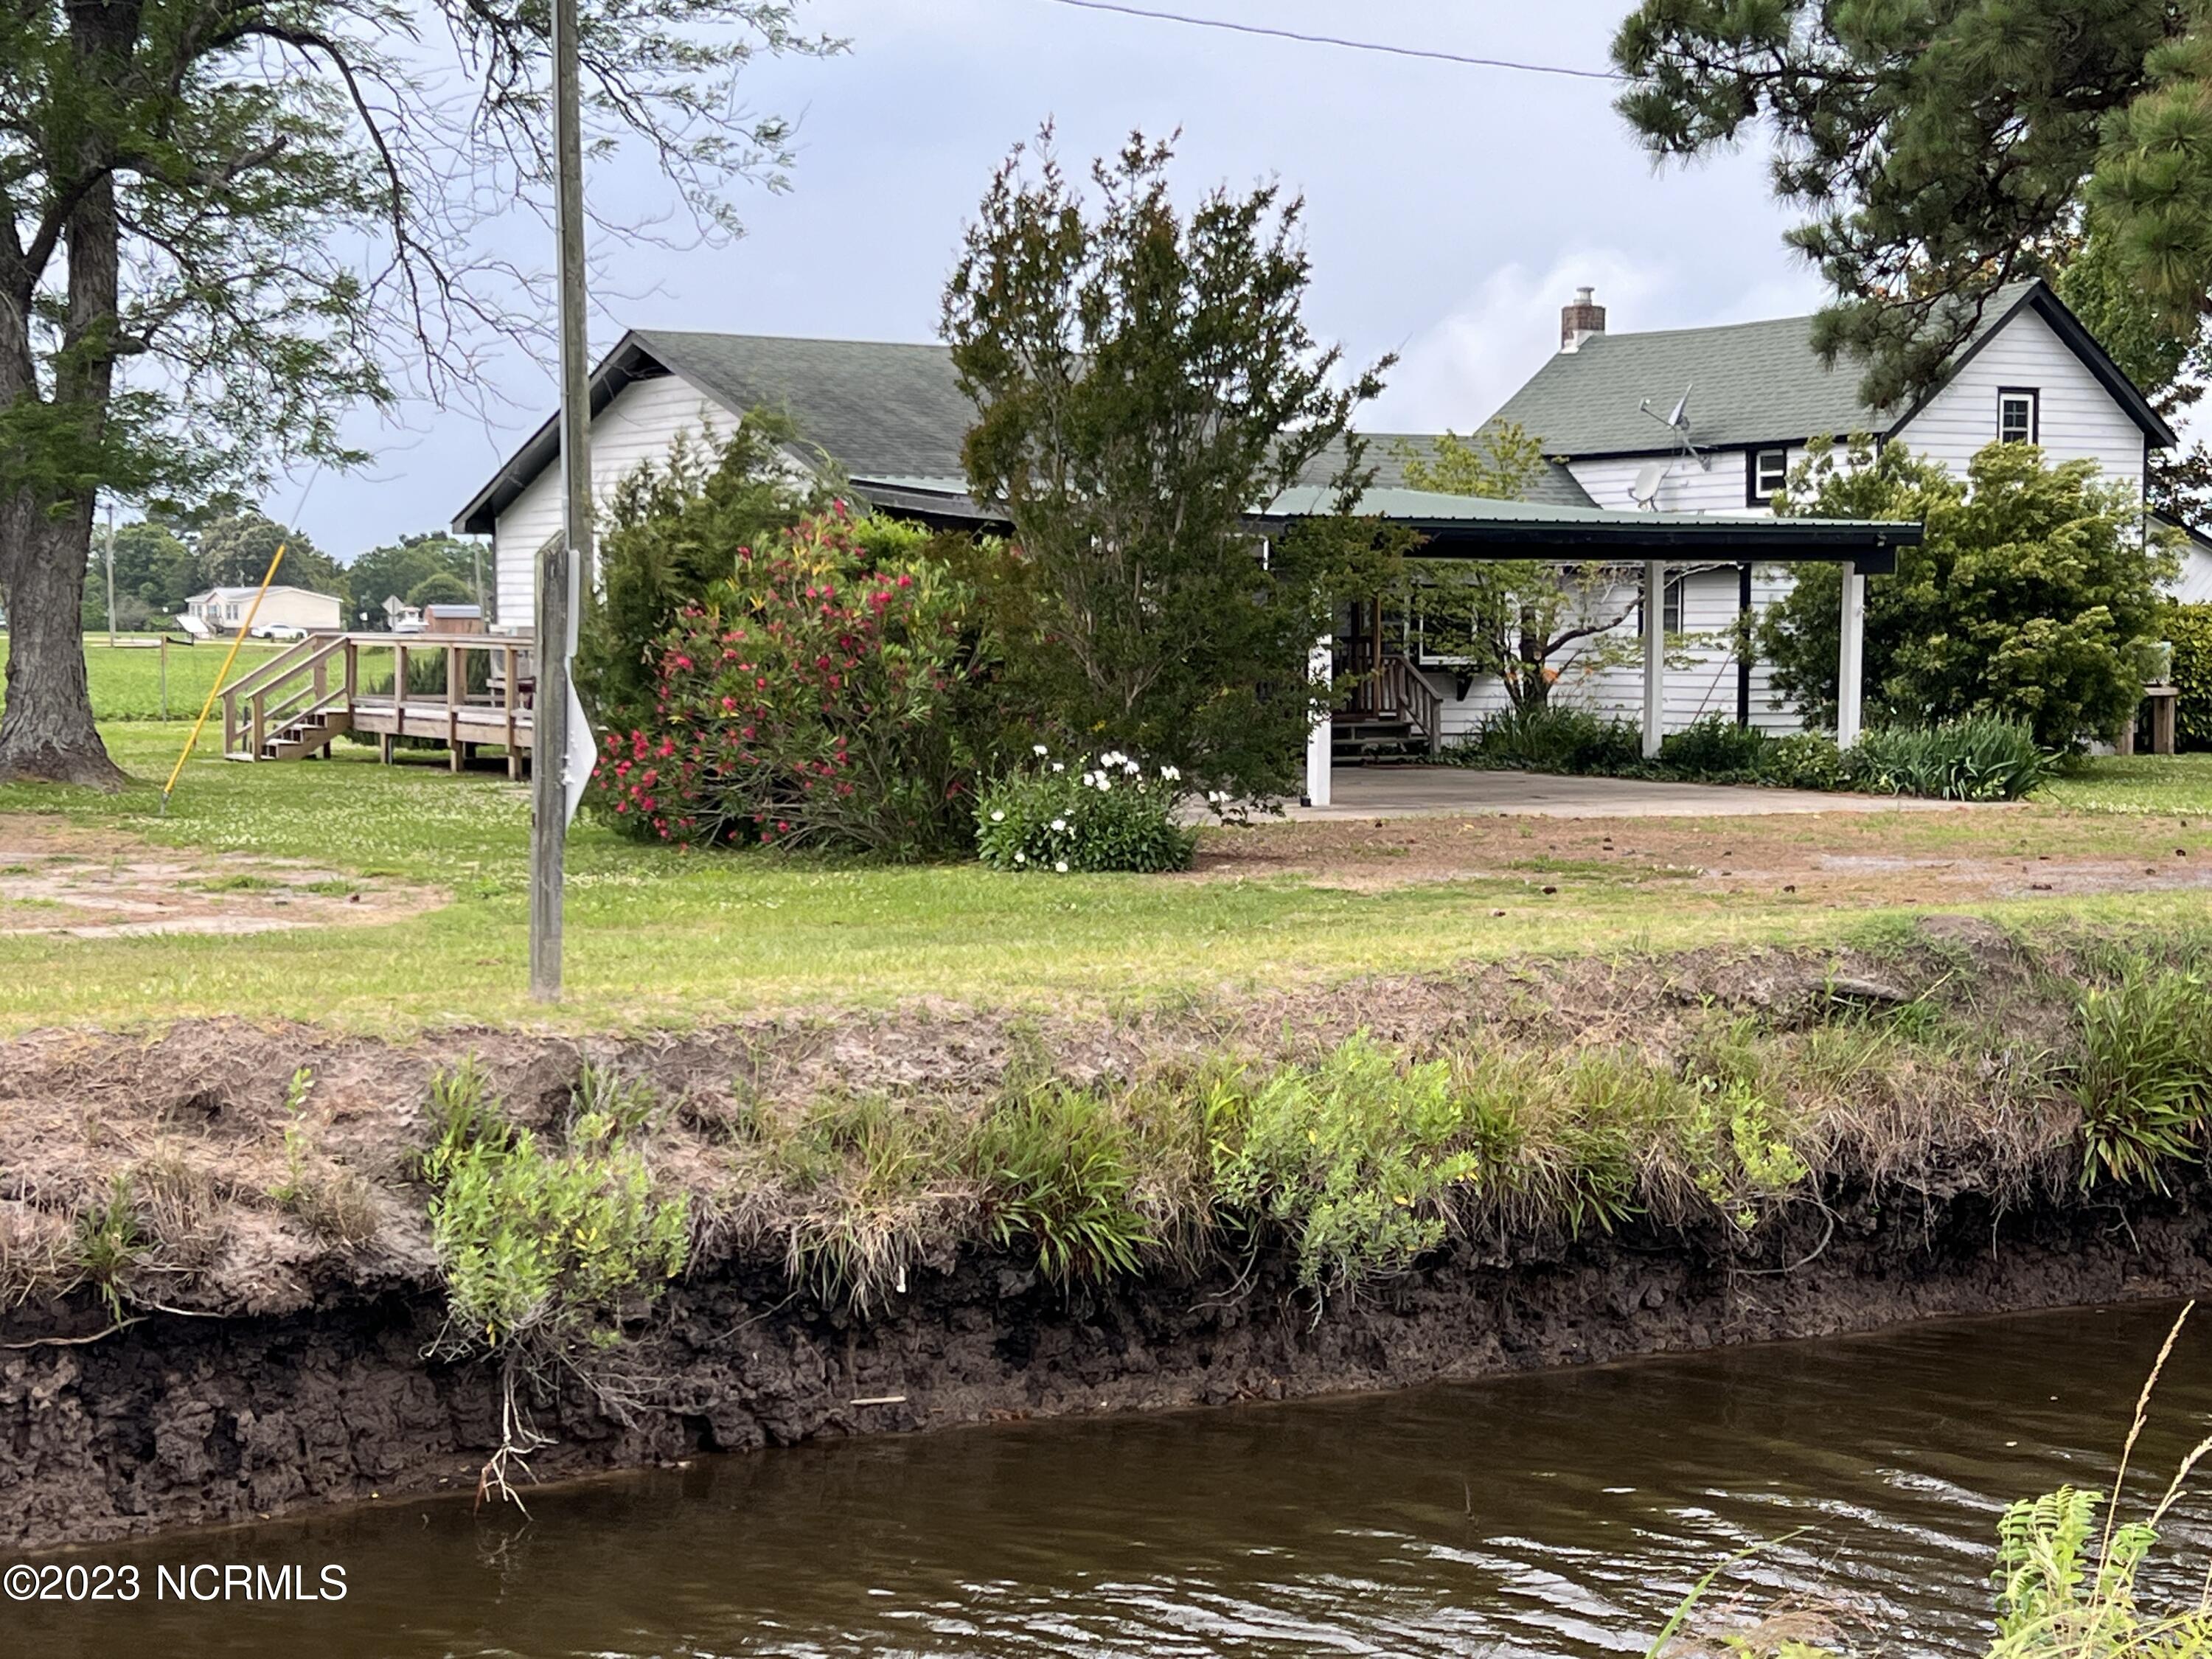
pixel 1648 480
pixel 1677 421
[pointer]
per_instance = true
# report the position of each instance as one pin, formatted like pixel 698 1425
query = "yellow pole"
pixel 222 675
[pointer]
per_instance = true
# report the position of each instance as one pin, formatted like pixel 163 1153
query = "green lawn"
pixel 659 935
pixel 2180 784
pixel 126 677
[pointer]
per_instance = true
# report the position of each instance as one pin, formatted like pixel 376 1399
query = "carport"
pixel 1469 527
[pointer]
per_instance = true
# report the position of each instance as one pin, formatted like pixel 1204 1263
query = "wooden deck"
pixel 295 705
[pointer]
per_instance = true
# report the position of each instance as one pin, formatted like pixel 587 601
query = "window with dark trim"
pixel 1765 471
pixel 1670 606
pixel 2018 416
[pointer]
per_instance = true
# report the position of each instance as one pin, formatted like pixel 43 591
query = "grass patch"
pixel 657 936
pixel 126 677
pixel 2180 785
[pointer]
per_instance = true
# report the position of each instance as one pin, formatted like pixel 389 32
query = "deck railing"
pixel 323 675
pixel 1394 690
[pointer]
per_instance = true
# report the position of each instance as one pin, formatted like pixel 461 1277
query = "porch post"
pixel 1321 669
pixel 1850 669
pixel 1655 656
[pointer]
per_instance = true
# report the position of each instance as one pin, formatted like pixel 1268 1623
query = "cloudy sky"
pixel 1451 209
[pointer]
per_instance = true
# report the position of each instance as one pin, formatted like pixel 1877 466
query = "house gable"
pixel 1755 386
pixel 2072 411
pixel 638 421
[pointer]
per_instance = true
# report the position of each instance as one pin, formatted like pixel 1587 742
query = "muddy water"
pixel 1560 1514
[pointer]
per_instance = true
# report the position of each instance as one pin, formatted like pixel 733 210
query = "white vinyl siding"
pixel 2076 418
pixel 639 424
pixel 2194 585
pixel 1706 686
pixel 1689 487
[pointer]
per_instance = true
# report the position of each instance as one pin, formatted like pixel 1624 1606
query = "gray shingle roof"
pixel 879 409
pixel 884 410
pixel 1748 383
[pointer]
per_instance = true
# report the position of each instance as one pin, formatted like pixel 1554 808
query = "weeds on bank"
pixel 2144 1077
pixel 545 1249
pixel 1356 1162
pixel 541 1245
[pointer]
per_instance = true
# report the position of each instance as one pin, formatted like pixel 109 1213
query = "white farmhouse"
pixel 887 421
pixel 1751 397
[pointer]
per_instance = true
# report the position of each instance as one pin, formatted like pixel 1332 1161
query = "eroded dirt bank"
pixel 222 1296
pixel 178 1422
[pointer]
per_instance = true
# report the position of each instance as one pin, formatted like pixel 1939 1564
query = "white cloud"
pixel 1456 372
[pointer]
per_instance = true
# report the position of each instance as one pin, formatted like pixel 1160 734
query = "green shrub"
pixel 2144 1076
pixel 1056 1169
pixel 2190 628
pixel 818 697
pixel 1978 759
pixel 1553 738
pixel 1353 1157
pixel 1713 749
pixel 540 1245
pixel 1066 817
pixel 1803 760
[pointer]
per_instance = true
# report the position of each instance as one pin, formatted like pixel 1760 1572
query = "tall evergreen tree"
pixel 1144 380
pixel 1942 149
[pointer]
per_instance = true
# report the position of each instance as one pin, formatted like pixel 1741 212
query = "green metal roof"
pixel 1468 527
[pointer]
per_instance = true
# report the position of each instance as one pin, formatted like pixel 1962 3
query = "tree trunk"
pixel 46 729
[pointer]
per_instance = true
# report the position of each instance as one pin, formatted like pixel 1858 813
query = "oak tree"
pixel 224 224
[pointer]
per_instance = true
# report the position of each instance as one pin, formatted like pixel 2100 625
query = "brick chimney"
pixel 1578 321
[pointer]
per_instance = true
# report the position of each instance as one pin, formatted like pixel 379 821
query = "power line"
pixel 1338 40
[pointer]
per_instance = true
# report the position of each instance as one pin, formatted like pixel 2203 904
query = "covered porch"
pixel 1400 696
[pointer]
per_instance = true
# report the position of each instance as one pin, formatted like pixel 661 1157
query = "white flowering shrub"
pixel 1058 817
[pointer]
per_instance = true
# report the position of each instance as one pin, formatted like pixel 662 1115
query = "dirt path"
pixel 1848 859
pixel 60 878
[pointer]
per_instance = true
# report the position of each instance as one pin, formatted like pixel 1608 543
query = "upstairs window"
pixel 1769 471
pixel 2017 415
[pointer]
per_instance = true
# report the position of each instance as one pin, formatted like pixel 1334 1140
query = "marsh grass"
pixel 2143 1079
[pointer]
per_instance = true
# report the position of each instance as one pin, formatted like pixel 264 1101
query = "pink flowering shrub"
pixel 813 699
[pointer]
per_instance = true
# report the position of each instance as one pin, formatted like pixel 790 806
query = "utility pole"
pixel 548 719
pixel 111 573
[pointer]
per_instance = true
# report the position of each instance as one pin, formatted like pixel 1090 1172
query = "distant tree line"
pixel 161 561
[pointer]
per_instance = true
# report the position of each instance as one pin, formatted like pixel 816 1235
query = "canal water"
pixel 1562 1514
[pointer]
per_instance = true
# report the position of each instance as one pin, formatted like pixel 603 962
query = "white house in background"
pixel 221 611
pixel 888 421
pixel 1752 396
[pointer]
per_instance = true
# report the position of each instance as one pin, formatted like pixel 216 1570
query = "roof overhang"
pixel 1470 528
pixel 630 361
pixel 1869 546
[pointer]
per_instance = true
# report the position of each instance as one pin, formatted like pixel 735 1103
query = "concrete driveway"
pixel 1427 792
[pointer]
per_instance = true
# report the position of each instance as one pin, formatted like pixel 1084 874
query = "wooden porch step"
pixel 312 736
